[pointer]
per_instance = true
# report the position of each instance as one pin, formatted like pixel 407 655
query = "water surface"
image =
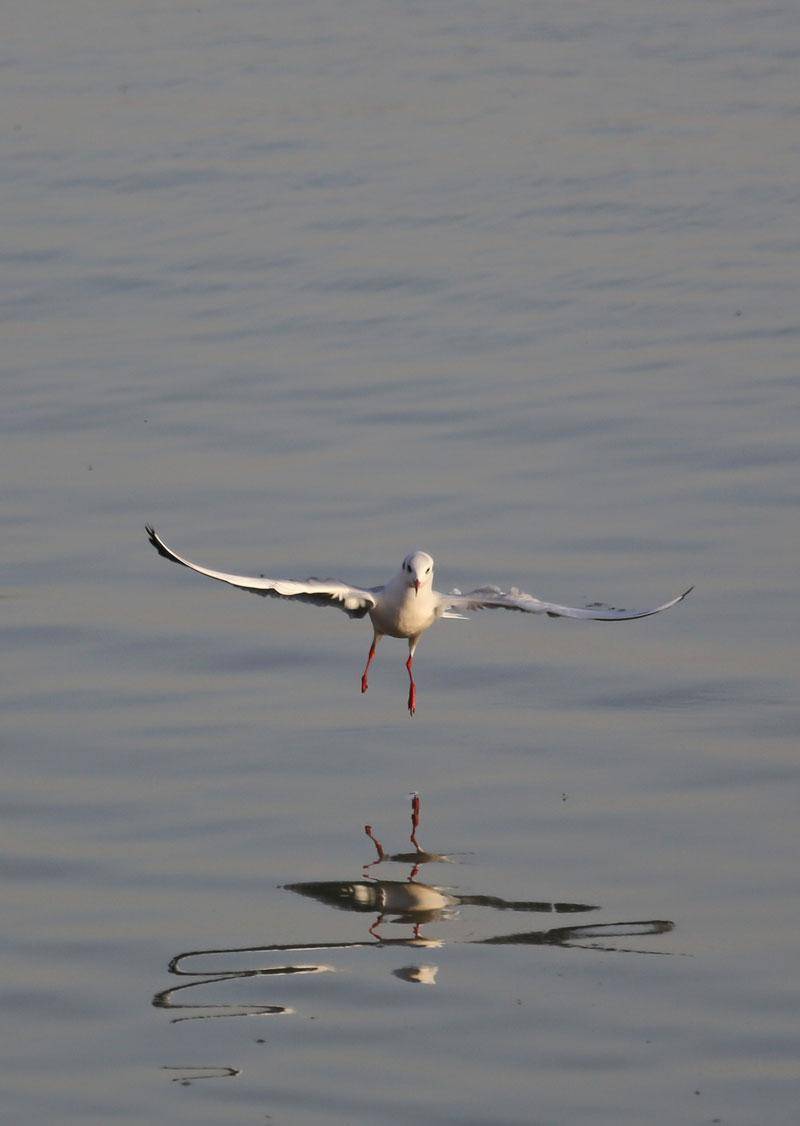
pixel 307 286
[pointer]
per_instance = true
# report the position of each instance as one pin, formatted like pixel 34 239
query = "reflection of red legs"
pixel 415 803
pixel 412 689
pixel 364 682
pixel 373 930
pixel 376 842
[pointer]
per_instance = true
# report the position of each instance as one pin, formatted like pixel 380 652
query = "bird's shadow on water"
pixel 409 903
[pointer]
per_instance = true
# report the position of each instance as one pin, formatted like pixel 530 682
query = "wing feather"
pixel 493 598
pixel 354 601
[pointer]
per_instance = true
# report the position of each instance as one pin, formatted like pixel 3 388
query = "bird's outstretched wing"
pixel 492 598
pixel 320 592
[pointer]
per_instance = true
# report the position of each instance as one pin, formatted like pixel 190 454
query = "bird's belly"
pixel 405 620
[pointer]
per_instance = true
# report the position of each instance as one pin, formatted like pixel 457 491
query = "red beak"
pixel 416 586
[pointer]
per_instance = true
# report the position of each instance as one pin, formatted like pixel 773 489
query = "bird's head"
pixel 418 570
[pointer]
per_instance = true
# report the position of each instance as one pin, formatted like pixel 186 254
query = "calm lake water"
pixel 308 285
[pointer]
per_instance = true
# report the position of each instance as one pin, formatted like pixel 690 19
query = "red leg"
pixel 412 690
pixel 370 659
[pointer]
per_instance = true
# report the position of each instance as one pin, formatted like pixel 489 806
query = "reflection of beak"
pixel 416 586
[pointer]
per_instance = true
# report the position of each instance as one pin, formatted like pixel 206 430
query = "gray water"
pixel 308 285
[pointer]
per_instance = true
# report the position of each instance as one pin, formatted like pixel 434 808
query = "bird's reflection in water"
pixel 419 975
pixel 187 1075
pixel 165 999
pixel 408 903
pixel 413 903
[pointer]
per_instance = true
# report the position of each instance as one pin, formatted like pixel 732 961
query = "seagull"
pixel 407 605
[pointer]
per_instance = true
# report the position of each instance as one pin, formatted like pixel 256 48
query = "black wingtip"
pixel 156 542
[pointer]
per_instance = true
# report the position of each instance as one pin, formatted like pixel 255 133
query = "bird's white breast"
pixel 400 612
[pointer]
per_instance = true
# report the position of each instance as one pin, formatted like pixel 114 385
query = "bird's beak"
pixel 416 587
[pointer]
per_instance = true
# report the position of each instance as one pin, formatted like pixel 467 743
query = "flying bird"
pixel 407 605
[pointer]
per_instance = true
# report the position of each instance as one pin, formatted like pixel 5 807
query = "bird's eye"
pixel 428 571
